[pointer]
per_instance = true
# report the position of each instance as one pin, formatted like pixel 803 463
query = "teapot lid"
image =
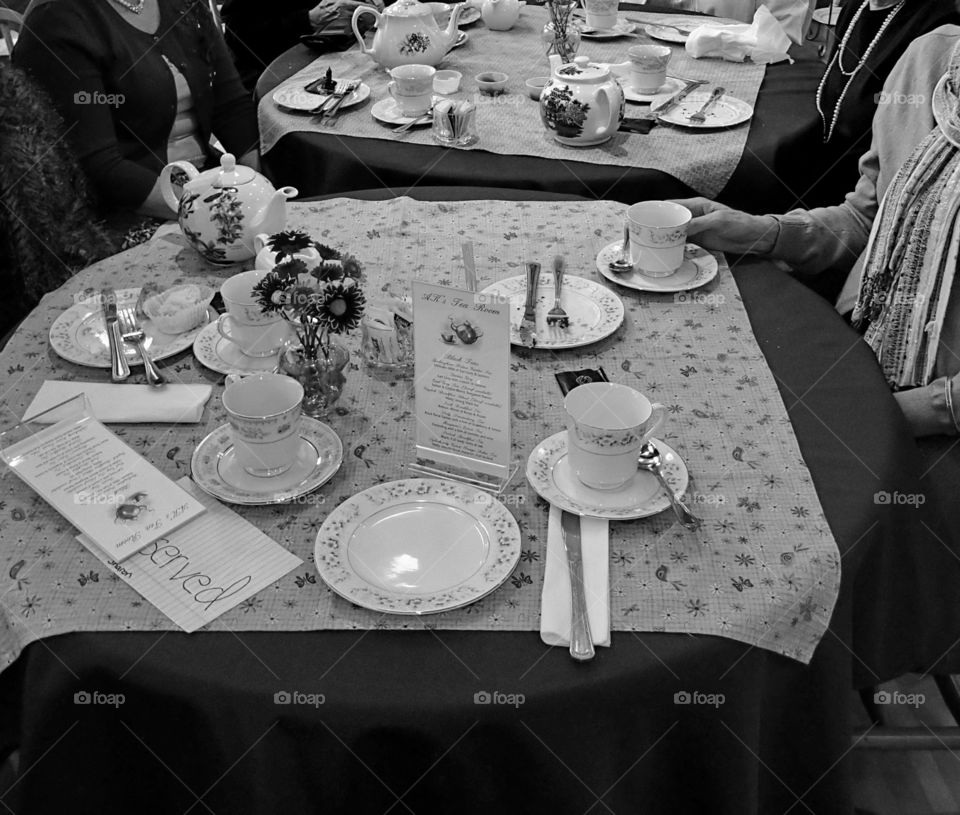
pixel 582 70
pixel 232 174
pixel 408 8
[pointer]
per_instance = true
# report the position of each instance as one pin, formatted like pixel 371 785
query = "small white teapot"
pixel 500 15
pixel 408 34
pixel 223 209
pixel 267 257
pixel 582 104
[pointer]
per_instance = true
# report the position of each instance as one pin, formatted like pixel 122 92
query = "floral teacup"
pixel 264 415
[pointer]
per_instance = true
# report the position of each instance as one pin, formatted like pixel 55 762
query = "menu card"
pixel 101 485
pixel 204 569
pixel 462 375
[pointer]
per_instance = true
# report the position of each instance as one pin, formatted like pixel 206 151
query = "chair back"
pixel 10 25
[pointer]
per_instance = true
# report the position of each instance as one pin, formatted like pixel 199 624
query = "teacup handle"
pixel 391 88
pixel 224 332
pixel 657 414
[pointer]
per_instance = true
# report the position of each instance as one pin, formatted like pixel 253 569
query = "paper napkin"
pixel 555 613
pixel 125 403
pixel 762 41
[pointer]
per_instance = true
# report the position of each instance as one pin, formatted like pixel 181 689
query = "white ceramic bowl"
pixel 492 82
pixel 535 86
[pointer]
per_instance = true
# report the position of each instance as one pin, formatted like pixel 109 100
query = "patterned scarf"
pixel 911 256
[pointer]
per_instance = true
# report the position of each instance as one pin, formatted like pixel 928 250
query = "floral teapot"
pixel 222 210
pixel 407 33
pixel 582 104
pixel 500 15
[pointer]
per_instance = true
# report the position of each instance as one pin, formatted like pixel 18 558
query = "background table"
pixel 769 177
pixel 399 730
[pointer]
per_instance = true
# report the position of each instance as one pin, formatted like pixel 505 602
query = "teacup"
pixel 254 332
pixel 264 415
pixel 601 13
pixel 412 88
pixel 648 67
pixel 658 235
pixel 606 425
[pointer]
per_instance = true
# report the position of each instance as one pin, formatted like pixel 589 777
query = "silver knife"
pixel 119 370
pixel 528 325
pixel 677 98
pixel 581 640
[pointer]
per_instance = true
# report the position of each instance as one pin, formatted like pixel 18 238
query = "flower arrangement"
pixel 288 244
pixel 561 34
pixel 318 302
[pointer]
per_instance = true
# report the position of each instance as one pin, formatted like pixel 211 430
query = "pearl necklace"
pixel 837 60
pixel 136 8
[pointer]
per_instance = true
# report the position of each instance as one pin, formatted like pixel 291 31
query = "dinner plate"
pixel 387 111
pixel 827 15
pixel 215 469
pixel 225 357
pixel 417 546
pixel 669 34
pixel 294 97
pixel 595 312
pixel 699 267
pixel 727 111
pixel 79 334
pixel 621 29
pixel 550 474
pixel 670 87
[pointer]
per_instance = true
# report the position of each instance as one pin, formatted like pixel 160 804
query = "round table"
pixel 400 729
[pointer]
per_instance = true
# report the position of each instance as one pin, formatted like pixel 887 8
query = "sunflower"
pixel 271 291
pixel 340 307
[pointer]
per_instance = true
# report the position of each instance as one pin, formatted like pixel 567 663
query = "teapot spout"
pixel 272 216
pixel 452 30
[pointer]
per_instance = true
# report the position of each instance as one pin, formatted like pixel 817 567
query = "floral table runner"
pixel 510 123
pixel 763 570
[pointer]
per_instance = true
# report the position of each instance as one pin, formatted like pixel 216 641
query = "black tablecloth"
pixel 769 177
pixel 398 729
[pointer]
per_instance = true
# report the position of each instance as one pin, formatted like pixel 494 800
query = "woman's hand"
pixel 715 226
pixel 927 409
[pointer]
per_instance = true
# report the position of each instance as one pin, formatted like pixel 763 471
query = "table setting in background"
pixel 762 567
pixel 698 135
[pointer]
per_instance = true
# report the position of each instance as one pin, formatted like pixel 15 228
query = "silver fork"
pixel 701 115
pixel 557 316
pixel 330 113
pixel 131 331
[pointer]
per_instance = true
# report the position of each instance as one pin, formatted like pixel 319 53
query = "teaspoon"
pixel 623 264
pixel 650 460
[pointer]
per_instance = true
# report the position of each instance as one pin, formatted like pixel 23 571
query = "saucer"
pixel 550 474
pixel 215 469
pixel 671 86
pixel 622 28
pixel 462 37
pixel 388 112
pixel 727 111
pixel 294 97
pixel 469 16
pixel 225 357
pixel 699 267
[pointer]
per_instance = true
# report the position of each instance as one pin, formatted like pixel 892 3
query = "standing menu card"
pixel 462 383
pixel 109 492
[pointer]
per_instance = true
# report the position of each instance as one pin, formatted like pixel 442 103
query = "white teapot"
pixel 222 210
pixel 500 15
pixel 582 104
pixel 407 33
pixel 267 257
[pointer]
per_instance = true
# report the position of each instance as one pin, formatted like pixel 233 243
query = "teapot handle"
pixel 166 185
pixel 604 103
pixel 356 31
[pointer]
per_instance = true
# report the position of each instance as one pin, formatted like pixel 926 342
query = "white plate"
pixel 670 87
pixel 79 334
pixel 417 546
pixel 225 357
pixel 727 111
pixel 667 34
pixel 621 29
pixel 386 111
pixel 550 474
pixel 827 16
pixel 294 97
pixel 215 470
pixel 698 267
pixel 595 312
pixel 462 37
pixel 469 16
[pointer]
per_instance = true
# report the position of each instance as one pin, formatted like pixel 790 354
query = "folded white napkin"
pixel 125 403
pixel 762 41
pixel 555 612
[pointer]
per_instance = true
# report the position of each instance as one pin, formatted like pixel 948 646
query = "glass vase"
pixel 565 47
pixel 323 377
